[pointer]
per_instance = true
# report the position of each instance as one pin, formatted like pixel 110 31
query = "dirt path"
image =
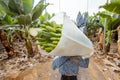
pixel 43 71
pixel 39 68
pixel 94 71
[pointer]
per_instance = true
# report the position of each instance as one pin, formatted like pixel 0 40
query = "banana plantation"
pixel 31 37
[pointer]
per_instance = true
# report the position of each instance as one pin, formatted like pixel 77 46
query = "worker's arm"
pixel 84 62
pixel 55 63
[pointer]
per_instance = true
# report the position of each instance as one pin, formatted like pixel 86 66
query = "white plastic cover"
pixel 73 42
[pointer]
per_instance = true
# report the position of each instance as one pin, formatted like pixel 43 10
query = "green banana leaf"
pixel 45 17
pixel 15 6
pixel 113 24
pixel 8 19
pixel 114 0
pixel 113 7
pixel 27 6
pixel 5 8
pixel 2 14
pixel 103 15
pixel 21 6
pixel 37 11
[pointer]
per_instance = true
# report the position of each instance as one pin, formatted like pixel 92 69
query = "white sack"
pixel 72 42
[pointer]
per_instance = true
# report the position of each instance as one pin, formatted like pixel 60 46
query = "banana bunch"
pixel 50 36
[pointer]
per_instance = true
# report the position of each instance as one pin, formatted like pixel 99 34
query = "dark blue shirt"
pixel 66 66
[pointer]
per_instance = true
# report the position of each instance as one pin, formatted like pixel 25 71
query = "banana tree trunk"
pixel 107 48
pixel 118 42
pixel 6 44
pixel 28 42
pixel 29 48
pixel 107 45
pixel 104 51
pixel 101 38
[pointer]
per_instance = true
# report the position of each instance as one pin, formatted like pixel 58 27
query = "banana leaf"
pixel 21 6
pixel 103 15
pixel 27 6
pixel 5 8
pixel 45 17
pixel 114 0
pixel 113 24
pixel 113 7
pixel 8 19
pixel 37 11
pixel 2 14
pixel 15 6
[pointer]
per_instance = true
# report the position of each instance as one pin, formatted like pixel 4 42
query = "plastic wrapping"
pixel 73 42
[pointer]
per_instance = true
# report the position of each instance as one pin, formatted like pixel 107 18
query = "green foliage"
pixel 114 1
pixel 5 8
pixel 45 17
pixel 103 15
pixel 113 22
pixel 15 6
pixel 27 6
pixel 21 6
pixel 113 7
pixel 93 24
pixel 8 19
pixel 21 12
pixel 37 11
pixel 112 25
pixel 106 17
pixel 109 36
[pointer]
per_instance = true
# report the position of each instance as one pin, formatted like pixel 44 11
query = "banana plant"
pixel 112 7
pixel 113 22
pixel 108 19
pixel 92 24
pixel 26 14
pixel 5 19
